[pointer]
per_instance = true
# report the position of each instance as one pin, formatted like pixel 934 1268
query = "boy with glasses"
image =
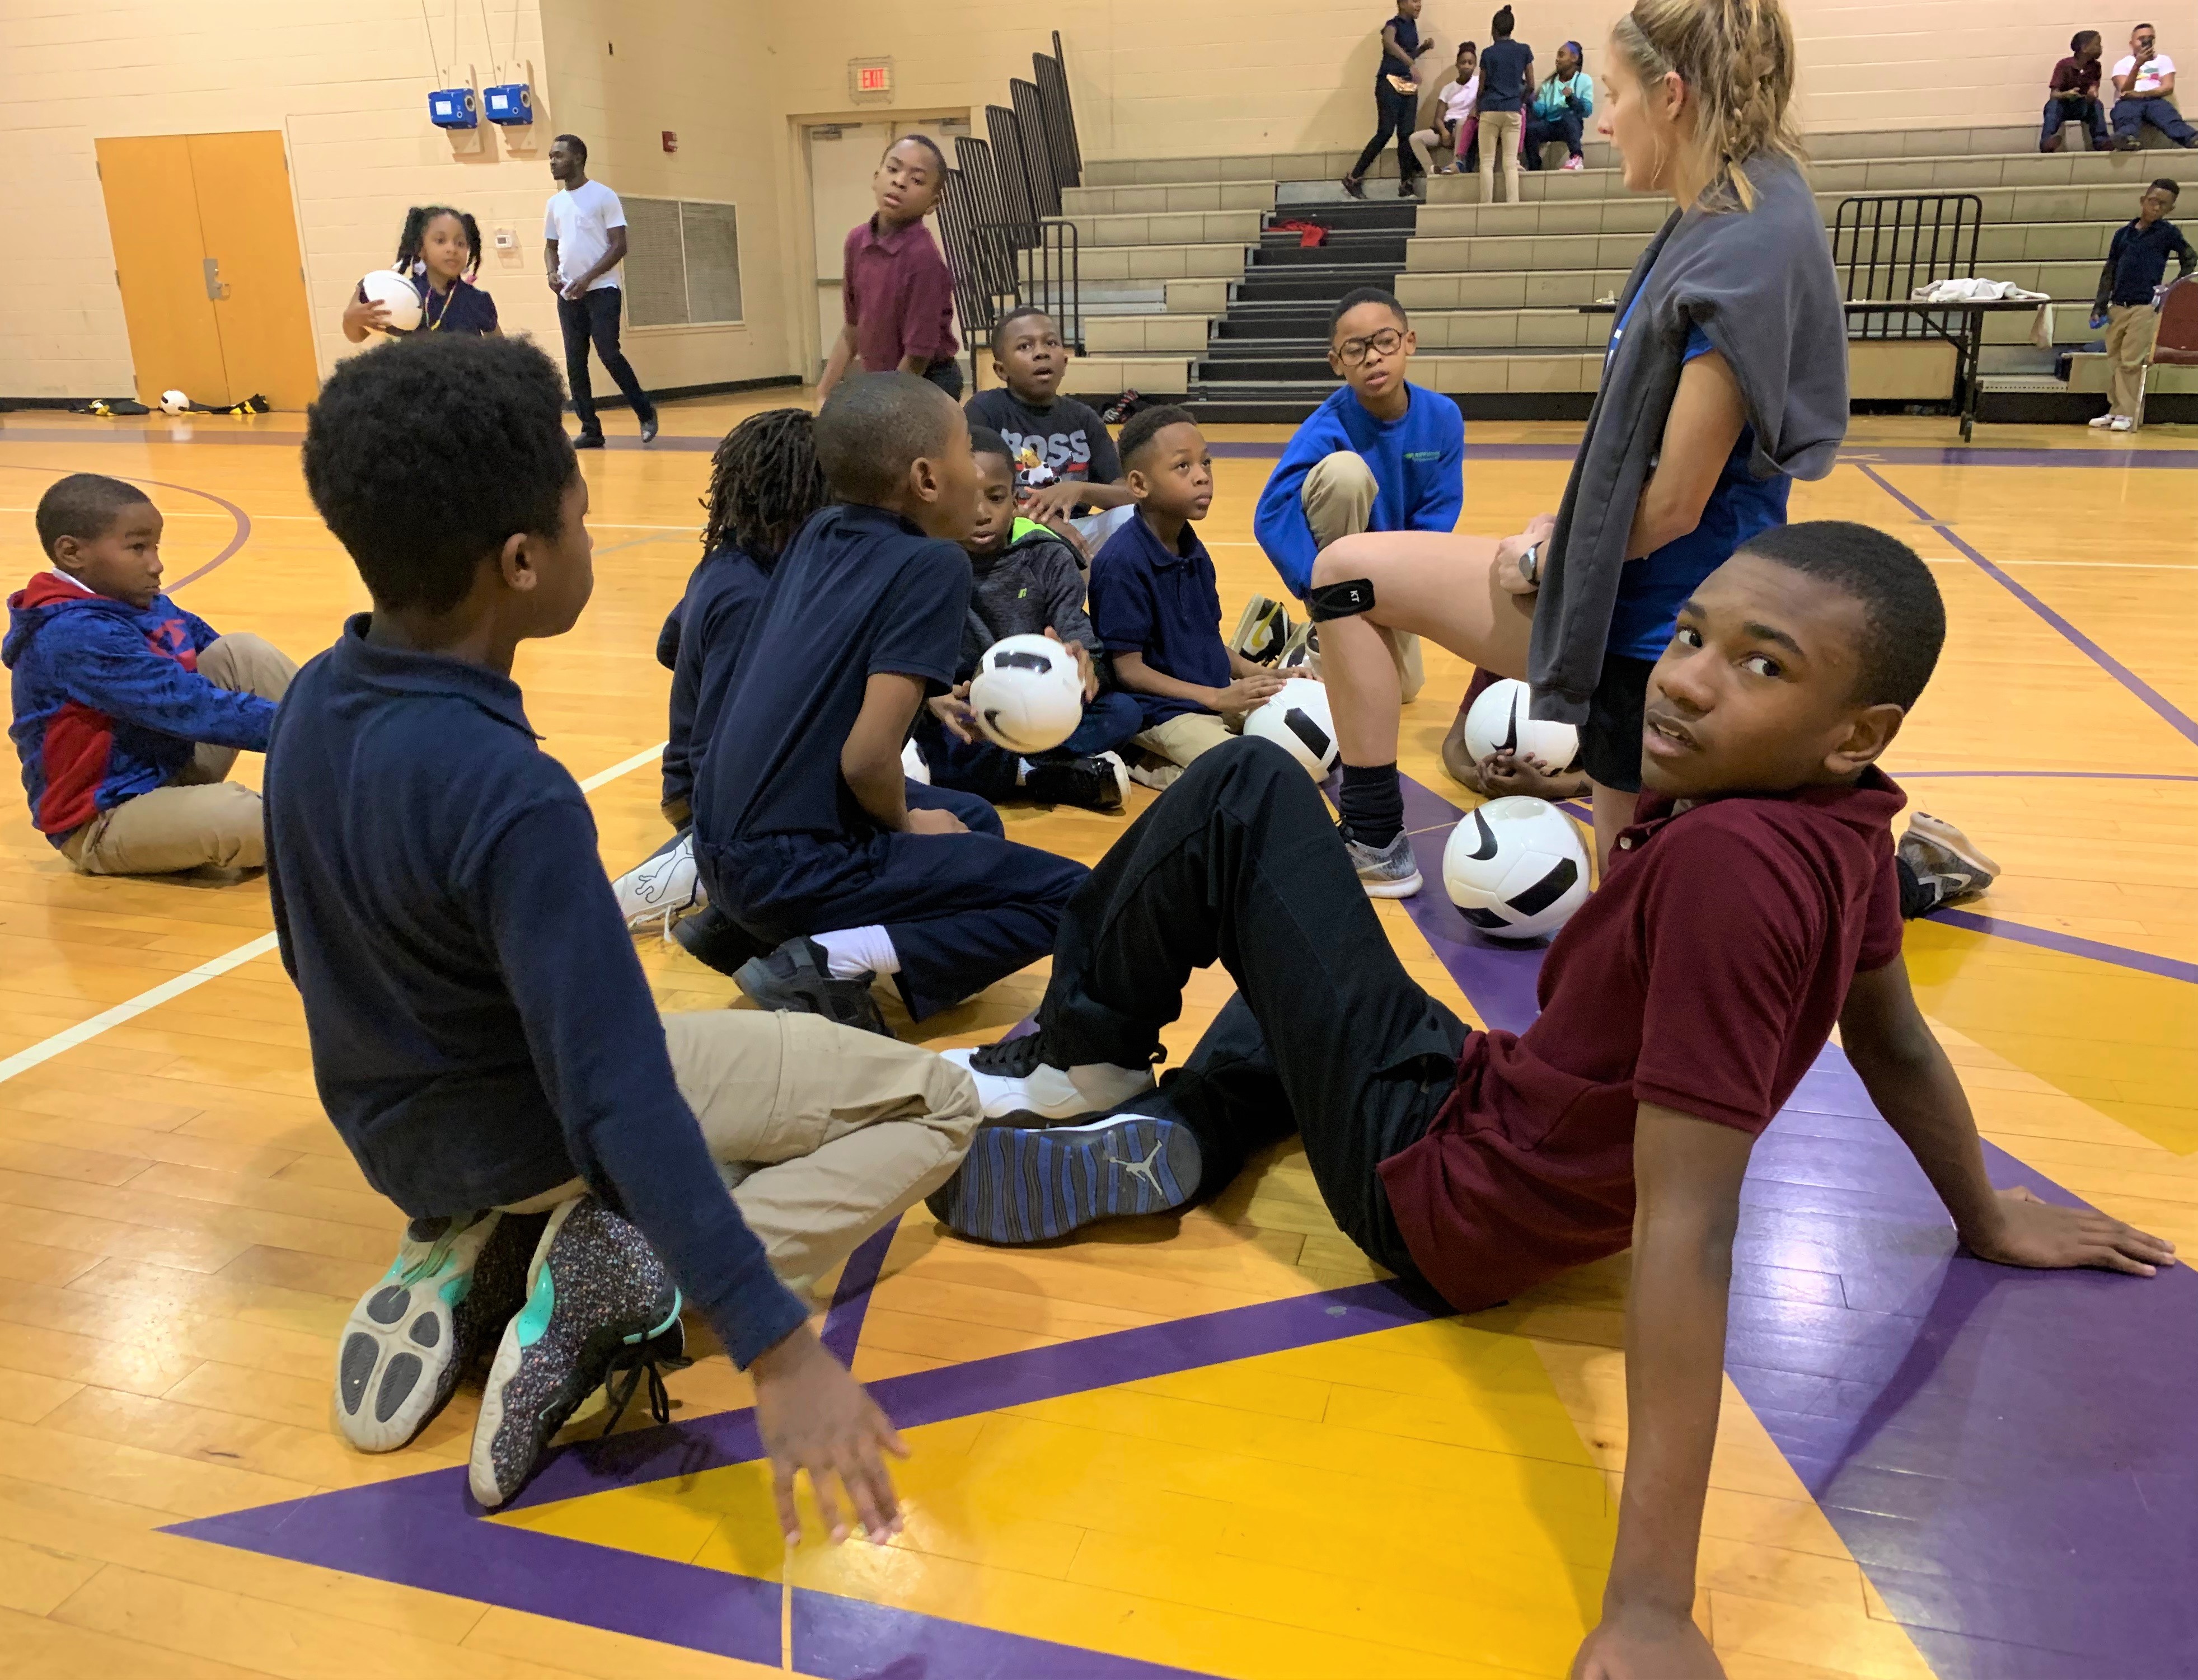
pixel 1380 455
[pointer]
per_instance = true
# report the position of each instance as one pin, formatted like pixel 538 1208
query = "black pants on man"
pixel 593 318
pixel 1328 1036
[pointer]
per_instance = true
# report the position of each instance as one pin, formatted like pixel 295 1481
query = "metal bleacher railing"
pixel 1006 243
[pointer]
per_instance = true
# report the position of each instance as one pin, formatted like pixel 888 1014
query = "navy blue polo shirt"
pixel 2137 261
pixel 706 633
pixel 465 308
pixel 859 591
pixel 1164 604
pixel 480 1027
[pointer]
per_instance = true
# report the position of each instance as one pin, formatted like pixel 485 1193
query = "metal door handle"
pixel 216 287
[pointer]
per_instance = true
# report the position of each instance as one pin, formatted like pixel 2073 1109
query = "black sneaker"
pixel 589 440
pixel 797 977
pixel 597 1299
pixel 1100 783
pixel 1018 1186
pixel 450 1292
pixel 649 430
pixel 1352 187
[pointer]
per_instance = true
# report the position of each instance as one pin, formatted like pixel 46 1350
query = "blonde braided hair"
pixel 1735 58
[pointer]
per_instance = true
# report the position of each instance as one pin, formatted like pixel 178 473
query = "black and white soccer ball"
pixel 1497 722
pixel 1027 694
pixel 1296 719
pixel 1516 868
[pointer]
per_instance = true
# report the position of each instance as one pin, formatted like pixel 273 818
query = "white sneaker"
pixel 2121 422
pixel 1158 777
pixel 662 888
pixel 1575 163
pixel 2100 422
pixel 1013 1080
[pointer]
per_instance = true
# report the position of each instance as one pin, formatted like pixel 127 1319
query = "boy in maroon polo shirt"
pixel 1752 905
pixel 895 286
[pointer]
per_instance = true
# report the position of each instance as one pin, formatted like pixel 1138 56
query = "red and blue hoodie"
pixel 108 700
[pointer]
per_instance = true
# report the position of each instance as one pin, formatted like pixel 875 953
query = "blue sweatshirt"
pixel 481 1029
pixel 1419 474
pixel 108 702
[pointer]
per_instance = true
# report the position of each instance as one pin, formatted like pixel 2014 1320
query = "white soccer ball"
pixel 1516 869
pixel 912 765
pixel 174 402
pixel 1297 719
pixel 1498 722
pixel 397 293
pixel 1027 694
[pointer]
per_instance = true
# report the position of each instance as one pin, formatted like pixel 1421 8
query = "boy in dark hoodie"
pixel 1025 580
pixel 129 710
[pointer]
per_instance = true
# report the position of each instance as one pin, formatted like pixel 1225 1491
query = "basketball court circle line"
pixel 241 522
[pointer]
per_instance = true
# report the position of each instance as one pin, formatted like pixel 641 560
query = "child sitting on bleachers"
pixel 1024 581
pixel 1157 607
pixel 805 826
pixel 130 711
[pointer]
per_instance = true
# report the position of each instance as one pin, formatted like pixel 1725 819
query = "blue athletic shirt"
pixel 859 591
pixel 1652 589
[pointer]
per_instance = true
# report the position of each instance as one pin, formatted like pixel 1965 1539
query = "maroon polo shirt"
pixel 898 296
pixel 1704 976
pixel 2070 77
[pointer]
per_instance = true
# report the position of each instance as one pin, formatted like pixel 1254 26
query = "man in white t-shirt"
pixel 2145 85
pixel 584 235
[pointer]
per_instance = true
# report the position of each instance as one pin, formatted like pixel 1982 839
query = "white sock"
pixel 857 951
pixel 1022 771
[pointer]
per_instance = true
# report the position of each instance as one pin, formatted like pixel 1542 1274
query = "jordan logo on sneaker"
pixel 1143 1169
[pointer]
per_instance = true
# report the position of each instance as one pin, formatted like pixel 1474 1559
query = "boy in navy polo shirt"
pixel 1380 455
pixel 482 1037
pixel 1752 906
pixel 808 833
pixel 2136 265
pixel 1156 606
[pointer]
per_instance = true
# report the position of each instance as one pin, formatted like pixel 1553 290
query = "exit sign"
pixel 871 77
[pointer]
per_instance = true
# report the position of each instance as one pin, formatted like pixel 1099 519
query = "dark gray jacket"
pixel 1760 285
pixel 1031 587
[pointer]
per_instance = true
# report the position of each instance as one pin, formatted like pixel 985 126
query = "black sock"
pixel 1373 804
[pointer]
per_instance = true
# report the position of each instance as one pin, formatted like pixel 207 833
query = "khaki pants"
pixel 838 1130
pixel 1499 133
pixel 1184 736
pixel 1339 499
pixel 2131 330
pixel 201 818
pixel 1424 141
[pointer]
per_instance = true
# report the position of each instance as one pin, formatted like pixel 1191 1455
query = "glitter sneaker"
pixel 1388 871
pixel 452 1287
pixel 598 1300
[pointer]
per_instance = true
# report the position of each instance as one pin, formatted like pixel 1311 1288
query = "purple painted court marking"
pixel 849 1639
pixel 851 1301
pixel 239 531
pixel 2177 719
pixel 2008 1455
pixel 2167 967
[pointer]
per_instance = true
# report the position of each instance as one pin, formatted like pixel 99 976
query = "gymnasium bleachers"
pixel 1190 287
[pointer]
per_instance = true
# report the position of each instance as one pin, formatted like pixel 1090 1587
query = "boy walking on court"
pixel 482 1037
pixel 583 253
pixel 129 710
pixel 1157 607
pixel 897 291
pixel 1064 457
pixel 805 827
pixel 1024 581
pixel 1751 906
pixel 2136 262
pixel 1380 455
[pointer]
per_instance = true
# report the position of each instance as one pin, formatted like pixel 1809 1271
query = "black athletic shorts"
pixel 1610 739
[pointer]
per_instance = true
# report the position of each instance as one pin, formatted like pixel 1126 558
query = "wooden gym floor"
pixel 1217 1445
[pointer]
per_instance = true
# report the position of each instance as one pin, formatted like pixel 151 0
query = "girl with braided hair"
pixel 440 251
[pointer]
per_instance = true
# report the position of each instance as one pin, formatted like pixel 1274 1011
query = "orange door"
pixel 250 235
pixel 152 216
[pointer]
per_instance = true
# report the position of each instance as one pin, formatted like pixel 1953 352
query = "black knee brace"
pixel 1340 601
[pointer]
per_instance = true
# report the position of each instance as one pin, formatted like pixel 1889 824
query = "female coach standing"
pixel 1725 381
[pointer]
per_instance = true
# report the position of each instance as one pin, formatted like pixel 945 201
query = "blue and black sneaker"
pixel 597 1299
pixel 1019 1185
pixel 446 1296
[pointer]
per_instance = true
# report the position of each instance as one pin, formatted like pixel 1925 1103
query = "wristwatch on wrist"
pixel 1529 565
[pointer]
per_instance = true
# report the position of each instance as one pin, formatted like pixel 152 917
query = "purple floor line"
pixel 2008 1454
pixel 240 530
pixel 2175 717
pixel 2044 938
pixel 851 1301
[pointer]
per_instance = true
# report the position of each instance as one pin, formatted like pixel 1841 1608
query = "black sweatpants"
pixel 592 319
pixel 1328 1036
pixel 1395 113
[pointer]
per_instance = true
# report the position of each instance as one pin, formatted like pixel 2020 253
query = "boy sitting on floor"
pixel 129 710
pixel 1381 454
pixel 1751 906
pixel 1156 605
pixel 1025 581
pixel 482 1037
pixel 1065 459
pixel 805 827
